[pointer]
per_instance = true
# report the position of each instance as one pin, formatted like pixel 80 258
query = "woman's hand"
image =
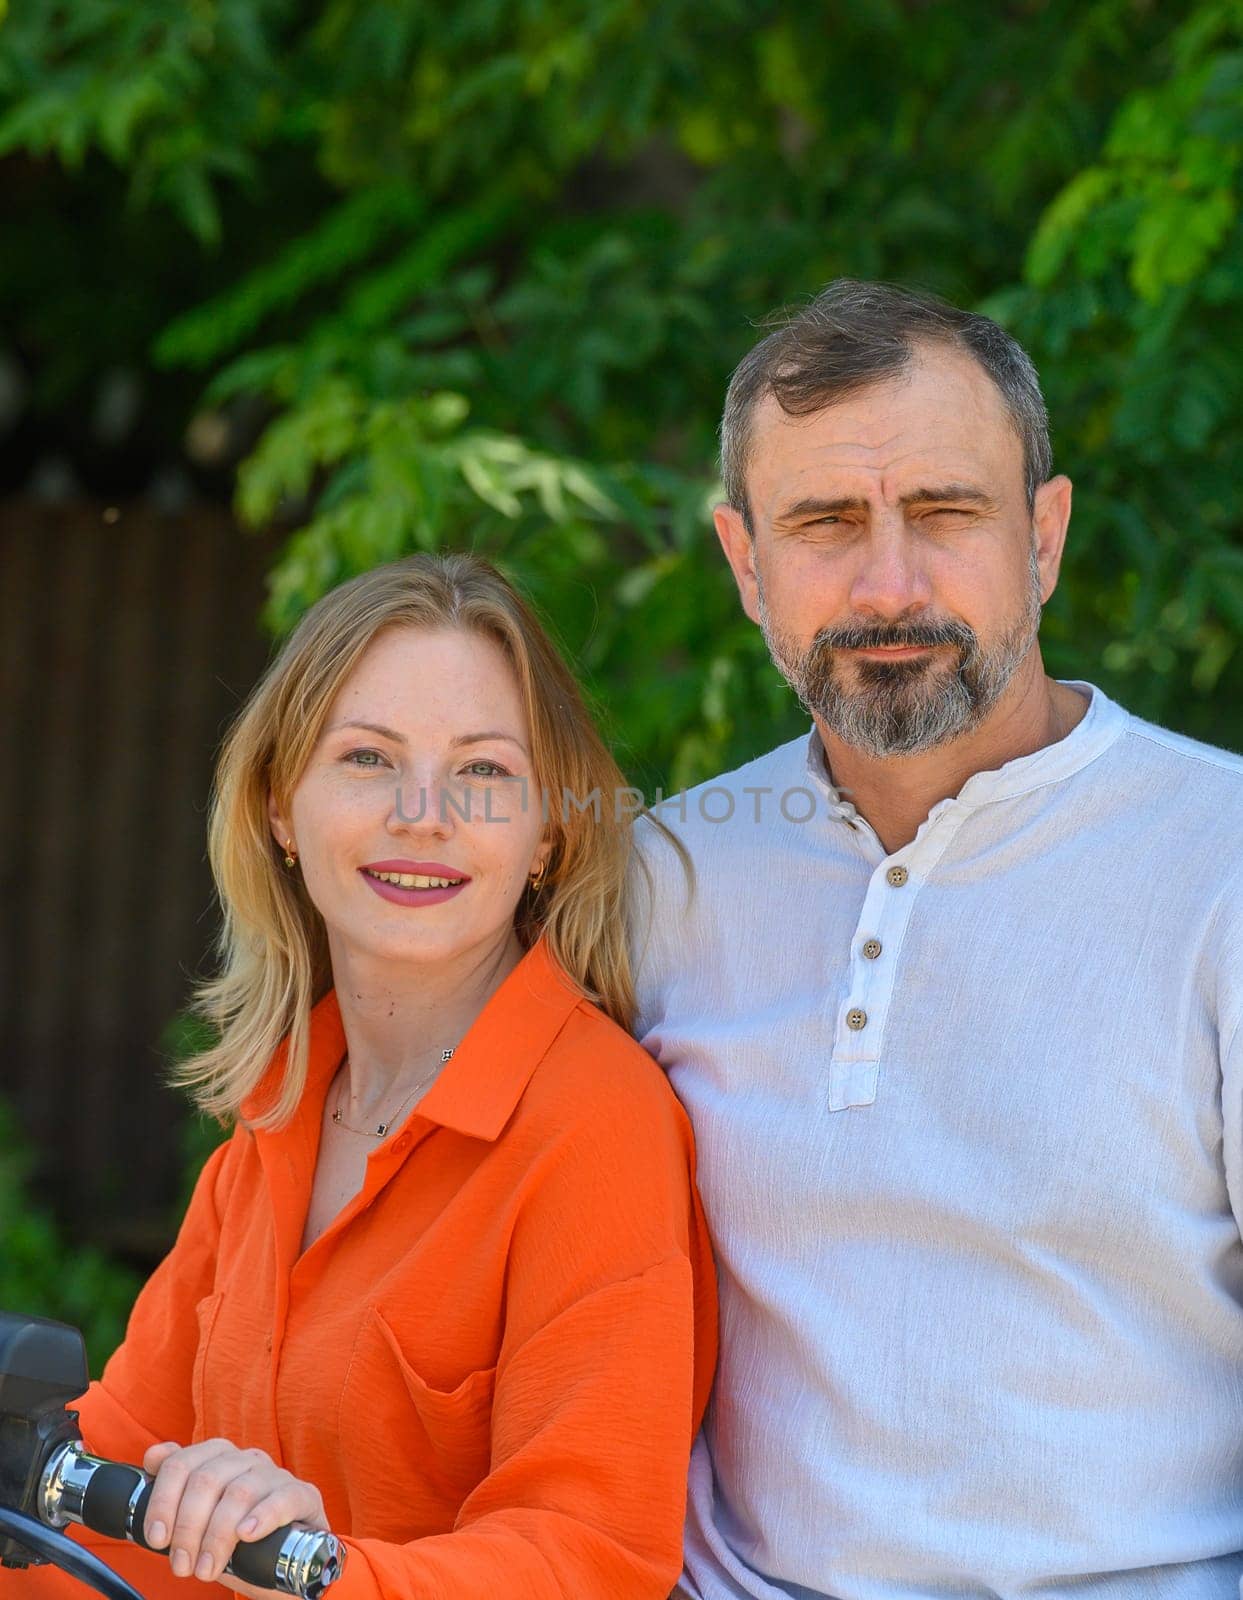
pixel 209 1496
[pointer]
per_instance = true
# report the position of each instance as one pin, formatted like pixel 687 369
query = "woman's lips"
pixel 411 897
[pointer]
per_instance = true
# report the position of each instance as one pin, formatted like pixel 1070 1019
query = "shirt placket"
pixel 304 1274
pixel 875 953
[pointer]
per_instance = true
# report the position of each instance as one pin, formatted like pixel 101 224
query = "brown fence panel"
pixel 125 647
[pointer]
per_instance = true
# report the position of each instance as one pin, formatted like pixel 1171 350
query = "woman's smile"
pixel 415 883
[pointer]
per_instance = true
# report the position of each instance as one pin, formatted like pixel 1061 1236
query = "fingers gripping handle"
pixel 113 1501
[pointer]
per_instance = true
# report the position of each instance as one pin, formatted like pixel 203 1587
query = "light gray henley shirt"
pixel 969 1122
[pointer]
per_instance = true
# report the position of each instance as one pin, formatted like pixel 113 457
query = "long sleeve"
pixel 146 1391
pixel 602 1378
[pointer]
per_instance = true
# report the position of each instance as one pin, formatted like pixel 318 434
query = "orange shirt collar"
pixel 479 1089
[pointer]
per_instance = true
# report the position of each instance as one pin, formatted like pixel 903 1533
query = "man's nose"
pixel 891 578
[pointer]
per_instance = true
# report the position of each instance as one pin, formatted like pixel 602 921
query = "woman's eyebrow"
pixel 480 738
pixel 371 727
pixel 398 738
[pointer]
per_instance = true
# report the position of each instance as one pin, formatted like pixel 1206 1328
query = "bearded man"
pixel 955 1010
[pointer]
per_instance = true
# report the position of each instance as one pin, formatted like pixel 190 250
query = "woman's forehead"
pixel 438 675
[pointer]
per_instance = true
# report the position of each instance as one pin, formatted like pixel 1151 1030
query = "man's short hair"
pixel 854 334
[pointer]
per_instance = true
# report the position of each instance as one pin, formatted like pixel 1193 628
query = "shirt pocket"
pixel 439 1440
pixel 205 1314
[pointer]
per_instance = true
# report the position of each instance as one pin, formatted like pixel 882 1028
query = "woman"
pixel 447 1290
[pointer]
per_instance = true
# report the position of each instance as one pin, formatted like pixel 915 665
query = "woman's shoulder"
pixel 228 1165
pixel 595 1070
pixel 219 1165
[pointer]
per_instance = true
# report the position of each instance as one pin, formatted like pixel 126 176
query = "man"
pixel 955 1012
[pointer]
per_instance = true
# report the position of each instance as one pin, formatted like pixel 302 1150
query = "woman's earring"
pixel 537 878
pixel 290 858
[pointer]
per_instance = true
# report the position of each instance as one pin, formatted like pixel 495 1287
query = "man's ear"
pixel 739 548
pixel 1050 519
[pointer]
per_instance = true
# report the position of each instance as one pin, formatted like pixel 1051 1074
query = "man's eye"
pixel 353 753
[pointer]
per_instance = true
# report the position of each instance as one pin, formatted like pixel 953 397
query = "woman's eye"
pixel 353 753
pixel 490 769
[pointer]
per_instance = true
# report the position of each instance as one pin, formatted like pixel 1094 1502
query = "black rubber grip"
pixel 105 1504
pixel 105 1507
pixel 256 1562
pixel 139 1535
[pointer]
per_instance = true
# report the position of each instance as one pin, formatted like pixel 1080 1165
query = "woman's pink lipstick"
pixel 413 897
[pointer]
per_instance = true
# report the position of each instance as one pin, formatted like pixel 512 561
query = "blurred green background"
pixel 400 275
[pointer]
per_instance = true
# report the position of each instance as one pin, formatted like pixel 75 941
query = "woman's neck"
pixel 397 1025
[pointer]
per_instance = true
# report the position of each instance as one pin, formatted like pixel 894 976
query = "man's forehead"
pixel 943 417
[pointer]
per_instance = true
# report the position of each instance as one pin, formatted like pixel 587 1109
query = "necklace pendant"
pixel 336 1115
pixel 381 1130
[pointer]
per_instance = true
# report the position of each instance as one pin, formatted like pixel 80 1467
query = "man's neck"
pixel 896 793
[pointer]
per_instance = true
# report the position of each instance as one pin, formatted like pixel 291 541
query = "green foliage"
pixel 186 1035
pixel 1134 285
pixel 489 266
pixel 44 1274
pixel 180 94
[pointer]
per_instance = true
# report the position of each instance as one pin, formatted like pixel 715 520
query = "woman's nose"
pixel 426 805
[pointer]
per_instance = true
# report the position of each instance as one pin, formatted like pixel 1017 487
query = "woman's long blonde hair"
pixel 272 947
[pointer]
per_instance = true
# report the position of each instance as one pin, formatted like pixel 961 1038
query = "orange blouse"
pixel 493 1362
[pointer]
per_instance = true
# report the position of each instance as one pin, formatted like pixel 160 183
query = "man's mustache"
pixel 877 635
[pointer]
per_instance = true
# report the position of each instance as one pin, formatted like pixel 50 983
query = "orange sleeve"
pixel 600 1381
pixel 145 1393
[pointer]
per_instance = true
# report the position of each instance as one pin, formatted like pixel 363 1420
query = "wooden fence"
pixel 127 641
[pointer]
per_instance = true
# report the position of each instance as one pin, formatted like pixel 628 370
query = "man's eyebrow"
pixel 948 491
pixel 814 507
pixel 397 738
pixel 939 493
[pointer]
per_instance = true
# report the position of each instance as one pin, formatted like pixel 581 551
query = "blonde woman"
pixel 447 1289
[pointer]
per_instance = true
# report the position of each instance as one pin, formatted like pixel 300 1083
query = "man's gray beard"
pixel 902 708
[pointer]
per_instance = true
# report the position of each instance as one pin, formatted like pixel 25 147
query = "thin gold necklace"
pixel 383 1128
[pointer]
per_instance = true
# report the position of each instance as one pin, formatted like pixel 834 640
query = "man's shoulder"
pixel 687 856
pixel 1176 799
pixel 1181 769
pixel 695 813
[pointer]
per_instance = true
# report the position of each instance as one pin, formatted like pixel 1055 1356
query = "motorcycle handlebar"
pixel 112 1498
